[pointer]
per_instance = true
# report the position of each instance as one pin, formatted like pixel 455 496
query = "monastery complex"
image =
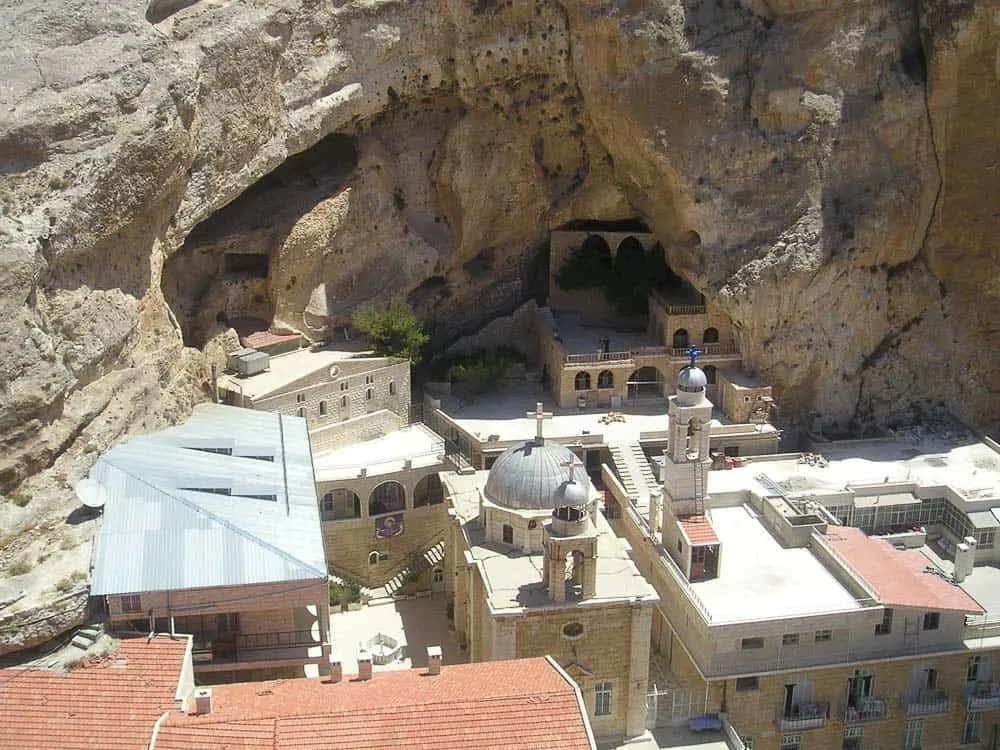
pixel 620 528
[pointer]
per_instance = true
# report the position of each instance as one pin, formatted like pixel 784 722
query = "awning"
pixel 984 519
pixel 887 499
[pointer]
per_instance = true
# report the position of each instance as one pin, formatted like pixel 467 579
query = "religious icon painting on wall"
pixel 387 526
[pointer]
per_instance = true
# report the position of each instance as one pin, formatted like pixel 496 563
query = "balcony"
pixel 866 709
pixel 245 650
pixel 804 716
pixel 980 695
pixel 925 703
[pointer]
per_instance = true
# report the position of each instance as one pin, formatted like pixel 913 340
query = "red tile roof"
pixel 899 576
pixel 699 530
pixel 521 703
pixel 110 703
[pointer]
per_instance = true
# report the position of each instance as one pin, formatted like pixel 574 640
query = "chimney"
pixel 364 664
pixel 965 559
pixel 202 701
pixel 433 660
pixel 336 668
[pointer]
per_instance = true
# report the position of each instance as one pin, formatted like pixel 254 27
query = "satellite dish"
pixel 91 493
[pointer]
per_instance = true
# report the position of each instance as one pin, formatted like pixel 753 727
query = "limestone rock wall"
pixel 826 171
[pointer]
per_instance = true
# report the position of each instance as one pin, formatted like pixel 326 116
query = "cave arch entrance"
pixel 646 382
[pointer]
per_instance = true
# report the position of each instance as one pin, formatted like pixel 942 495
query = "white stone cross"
pixel 572 464
pixel 539 414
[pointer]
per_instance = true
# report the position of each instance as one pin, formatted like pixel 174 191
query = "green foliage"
pixel 625 280
pixel 393 332
pixel 345 592
pixel 483 367
pixel 19 567
pixel 20 498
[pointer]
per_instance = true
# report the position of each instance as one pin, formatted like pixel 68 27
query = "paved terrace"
pixel 759 579
pixel 502 412
pixel 416 444
pixel 285 369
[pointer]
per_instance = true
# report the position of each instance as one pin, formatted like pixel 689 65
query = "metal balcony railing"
pixel 925 703
pixel 804 716
pixel 247 641
pixel 980 695
pixel 866 709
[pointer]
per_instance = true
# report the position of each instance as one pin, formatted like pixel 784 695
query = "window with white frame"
pixel 913 734
pixel 602 699
pixel 791 742
pixel 971 730
pixel 852 738
pixel 747 743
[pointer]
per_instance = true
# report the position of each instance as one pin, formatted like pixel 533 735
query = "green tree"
pixel 393 332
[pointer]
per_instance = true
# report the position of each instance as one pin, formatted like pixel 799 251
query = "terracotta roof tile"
pixel 699 530
pixel 509 703
pixel 899 576
pixel 111 703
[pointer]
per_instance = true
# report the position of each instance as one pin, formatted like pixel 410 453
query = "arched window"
pixel 322 408
pixel 342 503
pixel 373 558
pixel 438 575
pixel 681 339
pixel 343 402
pixel 582 381
pixel 302 411
pixel 606 379
pixel 428 491
pixel 388 497
pixel 711 336
pixel 710 373
pixel 508 533
pixel 392 387
pixel 369 394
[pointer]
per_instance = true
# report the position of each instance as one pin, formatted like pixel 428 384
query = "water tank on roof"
pixel 233 358
pixel 252 363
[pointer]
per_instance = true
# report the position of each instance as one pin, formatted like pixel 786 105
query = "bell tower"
pixel 570 541
pixel 687 458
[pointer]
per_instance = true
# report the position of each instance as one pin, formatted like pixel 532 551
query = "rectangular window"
pixel 930 675
pixel 852 738
pixel 790 639
pixel 970 732
pixel 913 734
pixel 131 603
pixel 344 385
pixel 973 673
pixel 791 742
pixel 602 699
pixel 748 643
pixel 822 636
pixel 885 627
pixel 932 620
pixel 300 397
pixel 369 379
pixel 747 683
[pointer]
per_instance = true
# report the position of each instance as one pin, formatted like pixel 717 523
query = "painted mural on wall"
pixel 389 526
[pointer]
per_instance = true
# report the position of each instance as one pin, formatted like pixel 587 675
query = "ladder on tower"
pixel 699 487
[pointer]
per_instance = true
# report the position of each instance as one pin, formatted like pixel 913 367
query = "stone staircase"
pixel 432 557
pixel 635 473
pixel 86 637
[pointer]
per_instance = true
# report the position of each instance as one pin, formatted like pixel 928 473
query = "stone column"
pixel 504 639
pixel 323 616
pixel 655 514
pixel 638 674
pixel 589 577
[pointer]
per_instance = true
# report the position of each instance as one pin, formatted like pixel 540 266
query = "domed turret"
pixel 691 382
pixel 530 477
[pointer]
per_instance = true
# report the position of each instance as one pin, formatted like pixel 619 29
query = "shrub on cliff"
pixel 393 332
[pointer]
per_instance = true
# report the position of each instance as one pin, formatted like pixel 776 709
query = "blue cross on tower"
pixel 693 352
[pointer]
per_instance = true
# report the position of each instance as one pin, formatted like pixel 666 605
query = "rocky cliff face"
pixel 828 171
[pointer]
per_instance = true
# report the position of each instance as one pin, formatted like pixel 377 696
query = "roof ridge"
pixel 221 521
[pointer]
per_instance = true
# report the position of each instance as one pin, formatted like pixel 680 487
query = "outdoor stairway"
pixel 429 559
pixel 635 473
pixel 86 637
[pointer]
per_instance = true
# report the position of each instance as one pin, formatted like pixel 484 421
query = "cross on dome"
pixel 540 415
pixel 693 351
pixel 572 464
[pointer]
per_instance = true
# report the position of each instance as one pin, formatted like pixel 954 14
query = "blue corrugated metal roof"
pixel 163 530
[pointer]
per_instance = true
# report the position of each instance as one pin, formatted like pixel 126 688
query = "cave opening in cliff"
pixel 225 268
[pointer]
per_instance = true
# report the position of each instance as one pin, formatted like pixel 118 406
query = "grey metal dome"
pixel 573 494
pixel 691 379
pixel 528 476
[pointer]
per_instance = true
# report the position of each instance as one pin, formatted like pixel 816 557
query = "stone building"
pixel 382 505
pixel 344 396
pixel 211 528
pixel 535 569
pixel 788 603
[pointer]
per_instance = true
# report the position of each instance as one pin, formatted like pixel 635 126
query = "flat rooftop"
pixel 514 580
pixel 502 412
pixel 760 579
pixel 580 339
pixel 418 444
pixel 285 369
pixel 971 468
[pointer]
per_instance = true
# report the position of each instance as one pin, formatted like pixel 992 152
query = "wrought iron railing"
pixel 286 639
pixel 804 716
pixel 866 709
pixel 925 703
